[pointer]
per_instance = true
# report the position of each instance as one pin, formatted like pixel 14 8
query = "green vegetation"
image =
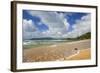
pixel 82 37
pixel 85 36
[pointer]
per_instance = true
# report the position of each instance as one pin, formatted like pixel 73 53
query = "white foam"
pixel 73 54
pixel 53 46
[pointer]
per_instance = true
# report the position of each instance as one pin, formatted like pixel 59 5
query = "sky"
pixel 56 24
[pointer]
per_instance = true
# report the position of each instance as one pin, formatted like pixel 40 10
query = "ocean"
pixel 37 43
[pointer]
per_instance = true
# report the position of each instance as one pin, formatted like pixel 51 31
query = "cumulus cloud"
pixel 31 31
pixel 63 19
pixel 28 28
pixel 56 22
pixel 82 26
pixel 28 25
pixel 57 25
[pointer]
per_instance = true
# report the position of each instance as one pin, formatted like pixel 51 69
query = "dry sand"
pixel 63 51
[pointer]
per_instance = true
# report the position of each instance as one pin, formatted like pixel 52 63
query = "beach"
pixel 76 50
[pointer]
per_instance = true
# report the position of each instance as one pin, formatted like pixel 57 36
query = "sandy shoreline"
pixel 58 52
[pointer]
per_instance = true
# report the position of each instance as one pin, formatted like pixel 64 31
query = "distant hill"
pixel 82 37
pixel 85 36
pixel 48 38
pixel 45 38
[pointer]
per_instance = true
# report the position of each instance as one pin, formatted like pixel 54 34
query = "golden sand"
pixel 58 52
pixel 84 54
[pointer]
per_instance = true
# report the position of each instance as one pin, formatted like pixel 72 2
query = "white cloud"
pixel 55 22
pixel 30 30
pixel 82 26
pixel 28 26
pixel 63 19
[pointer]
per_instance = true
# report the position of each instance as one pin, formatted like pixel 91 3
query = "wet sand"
pixel 83 54
pixel 62 51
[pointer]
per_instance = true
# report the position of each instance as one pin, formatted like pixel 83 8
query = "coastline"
pixel 58 52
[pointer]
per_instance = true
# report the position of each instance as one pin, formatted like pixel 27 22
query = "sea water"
pixel 37 43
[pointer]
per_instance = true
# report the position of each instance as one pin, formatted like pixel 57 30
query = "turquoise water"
pixel 37 43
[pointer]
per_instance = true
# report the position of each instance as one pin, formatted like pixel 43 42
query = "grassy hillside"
pixel 85 36
pixel 82 37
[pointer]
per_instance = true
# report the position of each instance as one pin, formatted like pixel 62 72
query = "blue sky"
pixel 37 24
